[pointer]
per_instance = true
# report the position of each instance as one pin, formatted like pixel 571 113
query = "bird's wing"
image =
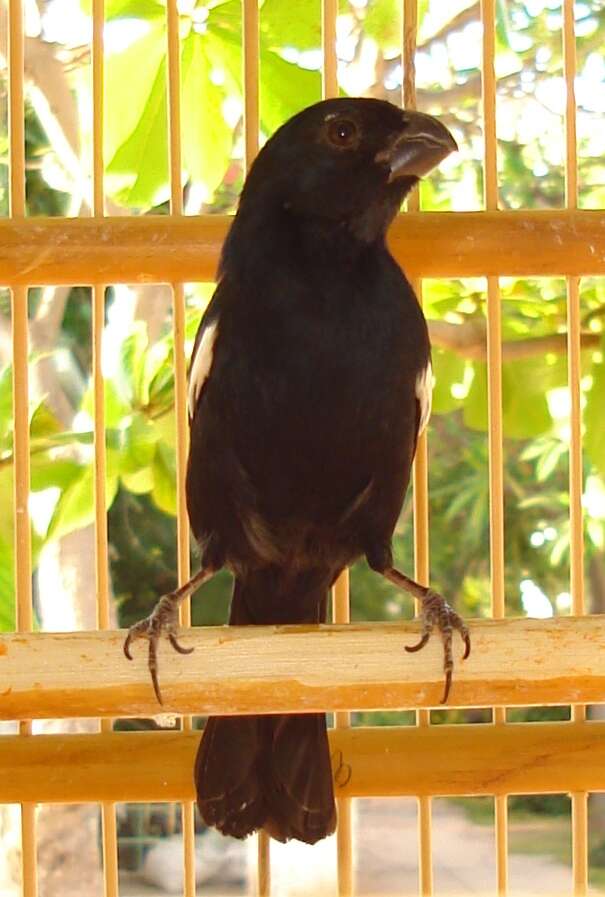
pixel 203 351
pixel 424 394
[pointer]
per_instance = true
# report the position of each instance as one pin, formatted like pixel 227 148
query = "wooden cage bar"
pixel 251 94
pixel 480 760
pixel 340 592
pixel 20 344
pixel 494 396
pixel 162 249
pixel 579 799
pixel 109 835
pixel 173 54
pixel 420 469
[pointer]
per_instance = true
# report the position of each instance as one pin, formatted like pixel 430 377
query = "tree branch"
pixel 469 341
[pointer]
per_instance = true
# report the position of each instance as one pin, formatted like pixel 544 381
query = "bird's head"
pixel 347 161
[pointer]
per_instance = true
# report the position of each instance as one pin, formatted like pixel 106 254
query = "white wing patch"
pixel 202 363
pixel 424 393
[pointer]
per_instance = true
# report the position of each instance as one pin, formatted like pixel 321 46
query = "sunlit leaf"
pixel 75 507
pixel 164 479
pixel 47 472
pixel 116 409
pixel 136 134
pixel 448 368
pixel 285 89
pixel 594 440
pixel 139 442
pixel 281 27
pixel 207 139
pixel 6 402
pixel 7 586
pixel 382 22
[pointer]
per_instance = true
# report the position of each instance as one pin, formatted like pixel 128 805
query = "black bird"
pixel 309 384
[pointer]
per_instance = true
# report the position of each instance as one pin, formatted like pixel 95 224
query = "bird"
pixel 309 384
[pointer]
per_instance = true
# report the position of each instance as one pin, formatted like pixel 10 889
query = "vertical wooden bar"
pixel 494 368
pixel 108 814
pixel 329 69
pixel 420 470
pixel 23 559
pixel 342 720
pixel 180 392
pixel 579 800
pixel 341 591
pixel 250 31
pixel 251 73
pixel 263 864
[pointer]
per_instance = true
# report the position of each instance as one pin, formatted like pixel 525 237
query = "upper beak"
pixel 422 144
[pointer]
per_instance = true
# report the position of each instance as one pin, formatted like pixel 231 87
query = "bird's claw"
pixel 161 622
pixel 437 612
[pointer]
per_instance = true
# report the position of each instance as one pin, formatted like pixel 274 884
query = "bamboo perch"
pixel 160 249
pixel 269 669
pixel 519 758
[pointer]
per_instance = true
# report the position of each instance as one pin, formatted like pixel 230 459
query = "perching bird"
pixel 309 384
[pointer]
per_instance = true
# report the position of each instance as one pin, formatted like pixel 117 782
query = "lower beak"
pixel 422 144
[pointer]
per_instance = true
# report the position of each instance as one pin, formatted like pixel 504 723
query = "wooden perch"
pixel 519 758
pixel 270 669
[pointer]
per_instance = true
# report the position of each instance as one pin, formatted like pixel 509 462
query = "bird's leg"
pixel 163 621
pixel 434 611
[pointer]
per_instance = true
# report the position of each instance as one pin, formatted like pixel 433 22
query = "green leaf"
pixel 525 411
pixel 383 23
pixel 594 440
pixel 207 140
pixel 165 426
pixel 128 9
pixel 448 368
pixel 139 442
pixel 475 403
pixel 6 403
pixel 75 507
pixel 116 409
pixel 281 28
pixel 7 586
pixel 502 34
pixel 47 471
pixel 285 89
pixel 139 482
pixel 136 133
pixel 164 479
pixel 130 377
pixel 43 423
pixel 134 9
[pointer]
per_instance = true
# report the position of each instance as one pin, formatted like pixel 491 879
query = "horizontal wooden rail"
pixel 157 249
pixel 368 762
pixel 269 669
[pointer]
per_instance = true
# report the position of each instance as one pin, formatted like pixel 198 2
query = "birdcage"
pixel 342 667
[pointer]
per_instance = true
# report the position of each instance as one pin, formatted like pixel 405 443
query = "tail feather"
pixel 229 790
pixel 301 794
pixel 270 772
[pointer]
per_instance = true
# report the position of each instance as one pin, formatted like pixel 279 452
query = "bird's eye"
pixel 342 133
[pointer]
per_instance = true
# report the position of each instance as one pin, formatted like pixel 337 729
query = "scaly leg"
pixel 163 621
pixel 435 611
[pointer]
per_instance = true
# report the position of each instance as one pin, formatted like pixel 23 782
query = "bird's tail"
pixel 271 772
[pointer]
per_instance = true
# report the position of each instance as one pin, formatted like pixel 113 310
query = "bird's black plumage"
pixel 307 388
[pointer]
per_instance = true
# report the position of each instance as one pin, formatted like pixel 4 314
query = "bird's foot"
pixel 162 622
pixel 436 611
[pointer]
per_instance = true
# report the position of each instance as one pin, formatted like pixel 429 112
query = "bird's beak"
pixel 422 144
